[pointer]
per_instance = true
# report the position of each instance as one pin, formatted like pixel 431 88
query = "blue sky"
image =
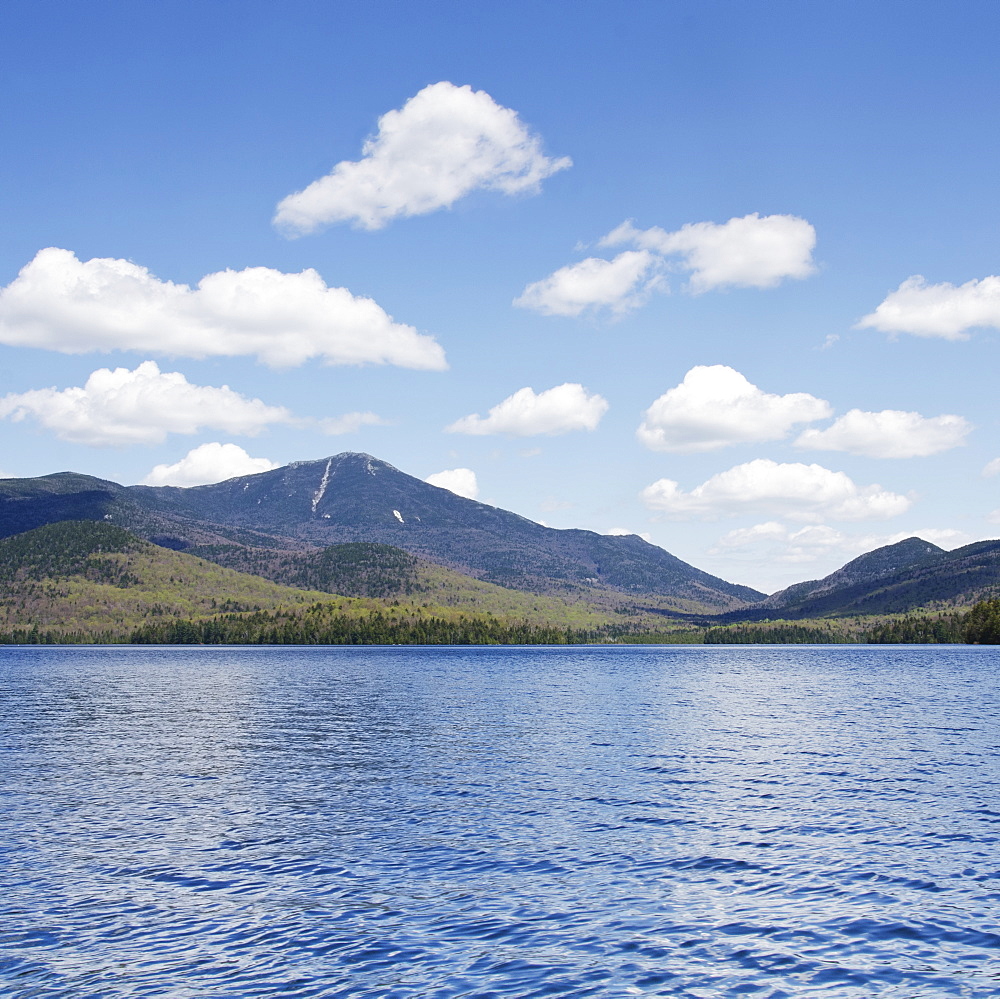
pixel 752 375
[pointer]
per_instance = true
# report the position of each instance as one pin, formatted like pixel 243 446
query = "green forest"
pixel 978 626
pixel 326 624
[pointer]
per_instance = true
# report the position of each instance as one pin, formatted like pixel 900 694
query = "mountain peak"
pixel 889 558
pixel 866 569
pixel 359 461
pixel 345 456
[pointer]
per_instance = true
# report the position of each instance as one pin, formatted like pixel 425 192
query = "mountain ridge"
pixel 355 497
pixel 896 579
pixel 869 567
pixel 269 522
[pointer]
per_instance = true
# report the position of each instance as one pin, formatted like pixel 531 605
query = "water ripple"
pixel 483 823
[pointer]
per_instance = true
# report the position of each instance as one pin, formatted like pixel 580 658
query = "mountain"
pixel 260 519
pixel 866 569
pixel 355 497
pixel 325 524
pixel 29 503
pixel 908 576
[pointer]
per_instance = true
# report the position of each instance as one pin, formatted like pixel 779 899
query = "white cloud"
pixel 715 406
pixel 350 423
pixel 461 481
pixel 206 464
pixel 891 433
pixel 991 468
pixel 780 543
pixel 58 302
pixel 776 542
pixel 618 285
pixel 443 143
pixel 747 252
pixel 140 407
pixel 942 310
pixel 555 411
pixel 624 532
pixel 800 492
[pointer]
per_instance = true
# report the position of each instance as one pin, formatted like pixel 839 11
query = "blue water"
pixel 689 822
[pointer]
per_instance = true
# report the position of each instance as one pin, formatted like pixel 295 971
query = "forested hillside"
pixel 82 579
pixel 93 581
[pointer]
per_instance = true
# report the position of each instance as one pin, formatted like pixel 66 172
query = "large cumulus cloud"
pixel 61 303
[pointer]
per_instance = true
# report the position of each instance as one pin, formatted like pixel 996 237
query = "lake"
pixel 500 822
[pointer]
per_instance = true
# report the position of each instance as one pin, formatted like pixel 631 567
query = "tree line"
pixel 320 625
pixel 978 626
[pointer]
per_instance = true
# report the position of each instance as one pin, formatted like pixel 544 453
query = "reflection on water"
pixel 691 822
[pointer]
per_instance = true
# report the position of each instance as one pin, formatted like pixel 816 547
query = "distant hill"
pixel 866 569
pixel 908 576
pixel 29 503
pixel 263 519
